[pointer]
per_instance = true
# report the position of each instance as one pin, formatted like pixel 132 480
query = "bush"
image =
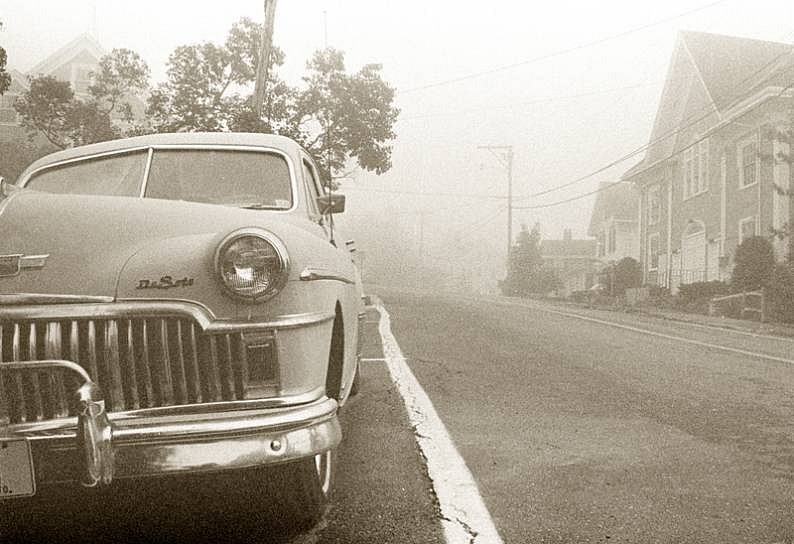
pixel 625 274
pixel 780 294
pixel 754 265
pixel 702 291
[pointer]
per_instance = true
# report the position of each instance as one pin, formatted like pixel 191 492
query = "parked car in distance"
pixel 175 304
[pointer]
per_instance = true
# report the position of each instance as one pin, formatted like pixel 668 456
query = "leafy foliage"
pixel 780 294
pixel 336 116
pixel 15 156
pixel 702 291
pixel 624 274
pixel 51 108
pixel 5 77
pixel 526 272
pixel 754 263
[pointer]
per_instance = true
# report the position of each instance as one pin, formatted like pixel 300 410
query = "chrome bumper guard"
pixel 94 431
pixel 102 446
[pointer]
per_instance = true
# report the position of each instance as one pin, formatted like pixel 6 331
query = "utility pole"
pixel 504 153
pixel 263 63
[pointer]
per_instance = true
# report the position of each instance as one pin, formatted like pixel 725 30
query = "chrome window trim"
pixel 57 164
pixel 209 147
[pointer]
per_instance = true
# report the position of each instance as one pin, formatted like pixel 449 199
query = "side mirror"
pixel 332 203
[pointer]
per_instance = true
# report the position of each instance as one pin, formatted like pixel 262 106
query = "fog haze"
pixel 571 86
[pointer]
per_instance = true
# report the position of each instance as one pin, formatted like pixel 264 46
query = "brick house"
pixel 708 177
pixel 574 261
pixel 614 222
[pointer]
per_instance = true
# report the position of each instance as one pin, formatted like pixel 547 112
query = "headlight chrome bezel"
pixel 276 285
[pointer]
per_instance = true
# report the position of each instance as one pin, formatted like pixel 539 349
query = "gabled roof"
pixel 730 66
pixel 568 248
pixel 708 72
pixel 84 42
pixel 614 200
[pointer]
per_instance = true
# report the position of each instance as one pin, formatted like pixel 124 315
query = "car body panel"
pixel 119 258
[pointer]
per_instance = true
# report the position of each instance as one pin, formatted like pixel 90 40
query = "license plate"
pixel 16 469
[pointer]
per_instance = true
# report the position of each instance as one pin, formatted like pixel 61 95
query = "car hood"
pixel 90 240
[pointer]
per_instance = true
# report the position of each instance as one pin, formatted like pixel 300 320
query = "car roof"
pixel 180 138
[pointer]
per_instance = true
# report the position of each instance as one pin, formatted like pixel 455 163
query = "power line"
pixel 691 122
pixel 607 187
pixel 529 102
pixel 559 52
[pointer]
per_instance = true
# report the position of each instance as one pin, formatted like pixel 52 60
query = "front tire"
pixel 301 489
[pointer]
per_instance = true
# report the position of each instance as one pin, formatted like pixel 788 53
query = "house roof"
pixel 568 248
pixel 614 200
pixel 84 42
pixel 730 65
pixel 708 72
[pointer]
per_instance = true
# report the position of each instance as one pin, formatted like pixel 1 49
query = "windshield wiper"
pixel 260 206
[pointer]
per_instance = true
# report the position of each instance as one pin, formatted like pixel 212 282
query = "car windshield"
pixel 230 177
pixel 111 175
pixel 255 179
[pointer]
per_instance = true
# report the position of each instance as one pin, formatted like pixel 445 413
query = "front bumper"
pixel 96 448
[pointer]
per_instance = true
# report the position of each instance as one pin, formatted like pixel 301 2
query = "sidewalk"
pixel 756 327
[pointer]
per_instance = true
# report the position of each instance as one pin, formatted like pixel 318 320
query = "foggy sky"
pixel 539 108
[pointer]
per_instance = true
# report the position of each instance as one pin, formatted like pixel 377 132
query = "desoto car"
pixel 174 304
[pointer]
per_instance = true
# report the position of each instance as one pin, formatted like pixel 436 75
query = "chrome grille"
pixel 138 363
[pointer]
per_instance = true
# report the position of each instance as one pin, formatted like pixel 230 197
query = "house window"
pixel 746 228
pixel 601 245
pixel 748 164
pixel 653 251
pixel 82 78
pixel 696 160
pixel 612 239
pixel 654 205
pixel 8 115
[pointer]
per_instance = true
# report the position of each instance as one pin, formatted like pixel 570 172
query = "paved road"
pixel 577 431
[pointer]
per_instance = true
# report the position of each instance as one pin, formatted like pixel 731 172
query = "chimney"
pixel 566 234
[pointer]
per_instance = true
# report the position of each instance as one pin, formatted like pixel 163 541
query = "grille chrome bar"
pixel 139 362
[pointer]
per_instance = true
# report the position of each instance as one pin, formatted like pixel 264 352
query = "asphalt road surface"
pixel 577 426
pixel 577 430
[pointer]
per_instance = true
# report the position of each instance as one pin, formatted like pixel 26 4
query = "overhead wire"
pixel 691 122
pixel 558 53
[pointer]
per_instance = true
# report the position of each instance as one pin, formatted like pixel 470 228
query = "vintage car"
pixel 175 304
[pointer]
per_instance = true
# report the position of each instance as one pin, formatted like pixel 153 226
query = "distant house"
pixel 574 261
pixel 75 62
pixel 614 222
pixel 708 177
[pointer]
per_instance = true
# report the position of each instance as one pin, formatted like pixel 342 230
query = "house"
pixel 709 175
pixel 574 262
pixel 614 222
pixel 75 62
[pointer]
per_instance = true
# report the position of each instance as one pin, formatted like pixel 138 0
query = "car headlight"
pixel 252 264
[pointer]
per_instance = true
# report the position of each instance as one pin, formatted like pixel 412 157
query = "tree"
pixel 50 107
pixel 754 264
pixel 526 272
pixel 5 77
pixel 336 116
pixel 202 89
pixel 340 116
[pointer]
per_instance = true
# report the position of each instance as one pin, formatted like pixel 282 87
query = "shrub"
pixel 754 265
pixel 702 291
pixel 780 294
pixel 623 275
